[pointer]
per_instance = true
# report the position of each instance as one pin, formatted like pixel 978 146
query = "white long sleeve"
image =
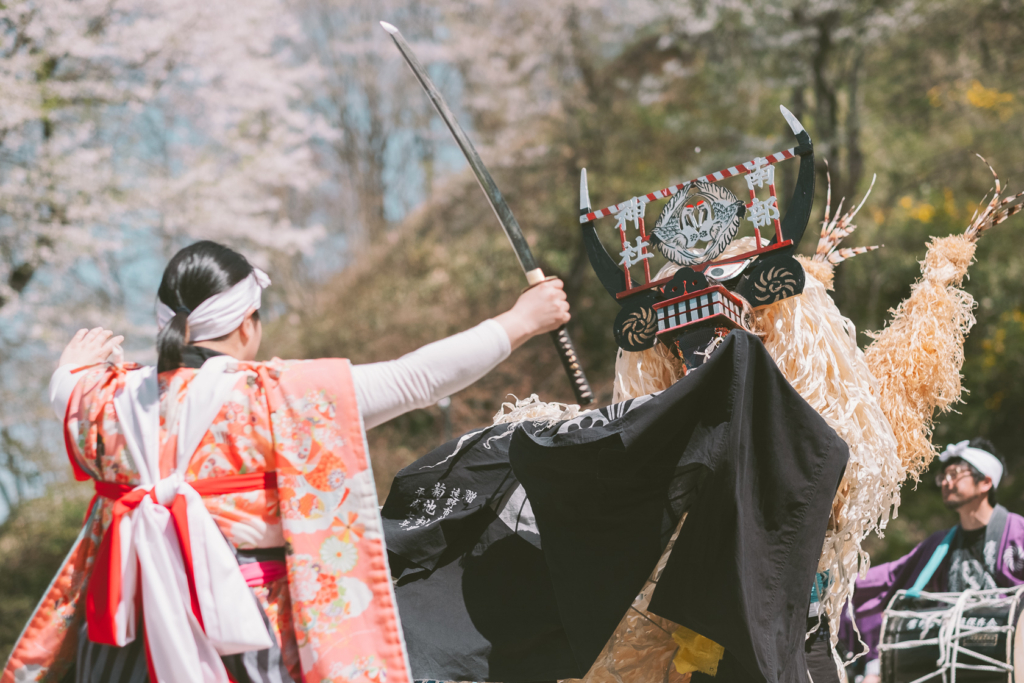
pixel 419 379
pixel 62 383
pixel 389 389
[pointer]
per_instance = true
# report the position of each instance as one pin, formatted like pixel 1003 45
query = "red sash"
pixel 214 486
pixel 103 590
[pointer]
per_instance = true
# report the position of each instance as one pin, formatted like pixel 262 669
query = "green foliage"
pixel 908 91
pixel 33 544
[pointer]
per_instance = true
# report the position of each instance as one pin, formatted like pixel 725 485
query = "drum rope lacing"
pixel 951 630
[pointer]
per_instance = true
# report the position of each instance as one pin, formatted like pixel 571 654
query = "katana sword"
pixel 534 275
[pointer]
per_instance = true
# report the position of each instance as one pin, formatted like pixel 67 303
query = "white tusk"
pixel 584 191
pixel 392 30
pixel 793 122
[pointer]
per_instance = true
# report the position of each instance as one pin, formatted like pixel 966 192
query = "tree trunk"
pixel 826 101
pixel 855 157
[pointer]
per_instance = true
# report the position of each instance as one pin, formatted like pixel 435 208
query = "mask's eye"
pixel 728 271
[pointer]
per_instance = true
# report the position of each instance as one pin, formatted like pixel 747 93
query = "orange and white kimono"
pixel 281 466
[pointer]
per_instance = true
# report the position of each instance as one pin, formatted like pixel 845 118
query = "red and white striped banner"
pixel 741 169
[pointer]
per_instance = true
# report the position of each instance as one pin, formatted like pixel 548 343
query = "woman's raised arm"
pixel 419 379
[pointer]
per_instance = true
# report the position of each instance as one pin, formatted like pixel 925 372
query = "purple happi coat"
pixel 877 588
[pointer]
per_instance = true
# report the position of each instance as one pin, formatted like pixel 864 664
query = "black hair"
pixel 985 445
pixel 196 273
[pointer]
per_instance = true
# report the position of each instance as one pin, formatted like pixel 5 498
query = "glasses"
pixel 953 476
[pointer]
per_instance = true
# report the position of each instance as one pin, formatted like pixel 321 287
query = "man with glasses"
pixel 985 549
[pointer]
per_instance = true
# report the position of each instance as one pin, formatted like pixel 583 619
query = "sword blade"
pixel 509 224
pixel 501 209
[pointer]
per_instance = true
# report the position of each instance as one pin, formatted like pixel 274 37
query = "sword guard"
pixel 535 276
pixel 541 281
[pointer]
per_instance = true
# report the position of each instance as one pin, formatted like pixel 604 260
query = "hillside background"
pixel 401 248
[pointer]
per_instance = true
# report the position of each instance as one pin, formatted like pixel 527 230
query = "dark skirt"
pixel 96 663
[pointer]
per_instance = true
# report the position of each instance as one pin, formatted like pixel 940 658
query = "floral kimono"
pixel 283 471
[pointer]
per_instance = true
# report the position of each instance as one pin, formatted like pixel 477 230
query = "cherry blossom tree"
pixel 127 128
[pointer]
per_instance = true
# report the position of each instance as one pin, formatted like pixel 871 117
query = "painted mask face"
pixel 705 297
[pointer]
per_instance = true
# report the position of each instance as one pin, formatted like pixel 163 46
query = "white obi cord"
pixel 180 649
pixel 222 313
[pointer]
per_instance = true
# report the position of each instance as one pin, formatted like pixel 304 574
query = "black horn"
pixel 608 272
pixel 798 211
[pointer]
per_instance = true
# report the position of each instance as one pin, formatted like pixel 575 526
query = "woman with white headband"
pixel 984 550
pixel 235 532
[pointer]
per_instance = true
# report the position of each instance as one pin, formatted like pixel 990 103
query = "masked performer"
pixel 570 513
pixel 880 401
pixel 984 550
pixel 694 325
pixel 235 533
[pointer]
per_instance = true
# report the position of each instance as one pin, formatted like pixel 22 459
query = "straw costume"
pixel 880 401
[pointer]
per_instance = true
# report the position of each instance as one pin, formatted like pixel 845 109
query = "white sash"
pixel 181 650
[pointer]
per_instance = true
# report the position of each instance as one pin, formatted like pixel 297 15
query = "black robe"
pixel 517 549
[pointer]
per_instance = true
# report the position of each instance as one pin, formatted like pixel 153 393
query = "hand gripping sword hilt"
pixel 566 349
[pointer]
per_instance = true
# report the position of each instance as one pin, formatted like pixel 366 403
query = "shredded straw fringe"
pixel 880 401
pixel 535 410
pixel 918 356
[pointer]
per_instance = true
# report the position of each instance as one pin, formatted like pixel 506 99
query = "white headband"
pixel 983 461
pixel 221 313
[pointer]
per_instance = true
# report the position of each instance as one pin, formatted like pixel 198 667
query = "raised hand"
pixel 539 309
pixel 89 347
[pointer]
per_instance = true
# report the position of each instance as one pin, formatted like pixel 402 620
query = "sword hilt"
pixel 566 349
pixel 571 363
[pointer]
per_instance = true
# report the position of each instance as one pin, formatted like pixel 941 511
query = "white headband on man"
pixel 221 313
pixel 981 460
